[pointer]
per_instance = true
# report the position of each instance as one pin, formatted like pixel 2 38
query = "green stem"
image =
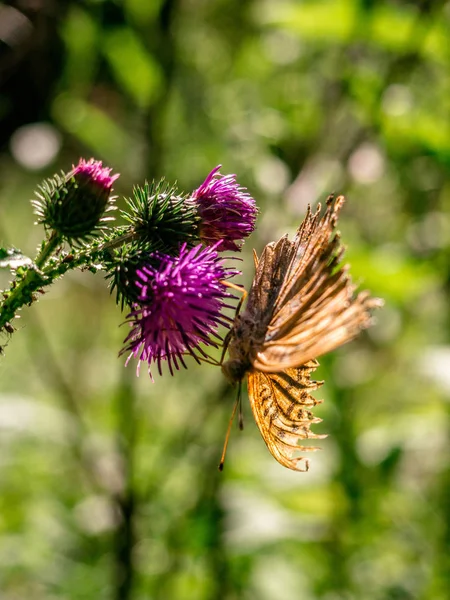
pixel 121 239
pixel 22 293
pixel 126 499
pixel 37 276
pixel 53 242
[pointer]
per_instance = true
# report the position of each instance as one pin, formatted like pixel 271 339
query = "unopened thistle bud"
pixel 121 265
pixel 74 204
pixel 161 218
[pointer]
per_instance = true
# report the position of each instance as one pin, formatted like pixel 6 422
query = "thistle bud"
pixel 161 218
pixel 74 204
pixel 121 265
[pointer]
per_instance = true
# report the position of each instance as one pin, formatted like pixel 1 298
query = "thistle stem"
pixel 37 276
pixel 34 278
pixel 121 239
pixel 126 499
pixel 52 243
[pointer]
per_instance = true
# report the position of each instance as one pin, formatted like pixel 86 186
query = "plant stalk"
pixel 34 278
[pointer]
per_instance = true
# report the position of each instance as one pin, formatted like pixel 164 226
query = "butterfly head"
pixel 235 369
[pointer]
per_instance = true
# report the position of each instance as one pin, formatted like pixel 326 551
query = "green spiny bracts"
pixel 74 205
pixel 121 264
pixel 162 217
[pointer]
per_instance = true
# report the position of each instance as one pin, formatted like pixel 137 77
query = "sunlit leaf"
pixel 391 275
pixel 135 69
pixel 80 33
pixel 92 126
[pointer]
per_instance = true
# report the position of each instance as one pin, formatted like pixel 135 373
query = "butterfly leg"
pixel 244 293
pixel 238 288
pixel 230 423
pixel 226 342
pixel 241 414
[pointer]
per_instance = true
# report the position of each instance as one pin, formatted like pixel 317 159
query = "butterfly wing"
pixel 270 272
pixel 316 309
pixel 302 304
pixel 281 404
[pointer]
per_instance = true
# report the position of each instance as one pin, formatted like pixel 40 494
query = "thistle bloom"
pixel 227 211
pixel 179 306
pixel 74 205
pixel 92 173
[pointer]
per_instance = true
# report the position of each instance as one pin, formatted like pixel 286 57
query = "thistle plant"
pixel 161 260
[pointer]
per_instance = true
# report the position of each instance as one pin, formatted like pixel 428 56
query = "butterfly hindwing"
pixel 281 404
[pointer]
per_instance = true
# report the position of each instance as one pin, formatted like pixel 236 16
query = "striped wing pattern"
pixel 281 404
pixel 316 309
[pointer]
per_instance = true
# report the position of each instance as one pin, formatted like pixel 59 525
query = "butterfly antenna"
pixel 230 423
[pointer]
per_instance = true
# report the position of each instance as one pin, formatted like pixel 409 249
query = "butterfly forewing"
pixel 313 247
pixel 270 270
pixel 316 310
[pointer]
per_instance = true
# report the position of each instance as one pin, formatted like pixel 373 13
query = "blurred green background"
pixel 109 485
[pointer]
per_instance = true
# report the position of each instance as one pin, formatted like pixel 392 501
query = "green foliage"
pixel 123 48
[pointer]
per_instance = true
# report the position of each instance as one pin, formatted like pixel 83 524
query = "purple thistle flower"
pixel 227 211
pixel 93 173
pixel 179 306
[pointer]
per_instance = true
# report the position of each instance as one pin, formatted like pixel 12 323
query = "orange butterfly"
pixel 302 304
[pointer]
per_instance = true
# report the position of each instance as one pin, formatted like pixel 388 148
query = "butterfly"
pixel 301 305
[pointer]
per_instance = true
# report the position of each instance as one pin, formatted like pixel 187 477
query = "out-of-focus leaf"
pixel 12 258
pixel 142 12
pixel 318 20
pixel 428 131
pixel 80 33
pixel 391 275
pixel 387 26
pixel 93 127
pixel 135 69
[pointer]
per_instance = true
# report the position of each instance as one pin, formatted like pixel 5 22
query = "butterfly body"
pixel 301 305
